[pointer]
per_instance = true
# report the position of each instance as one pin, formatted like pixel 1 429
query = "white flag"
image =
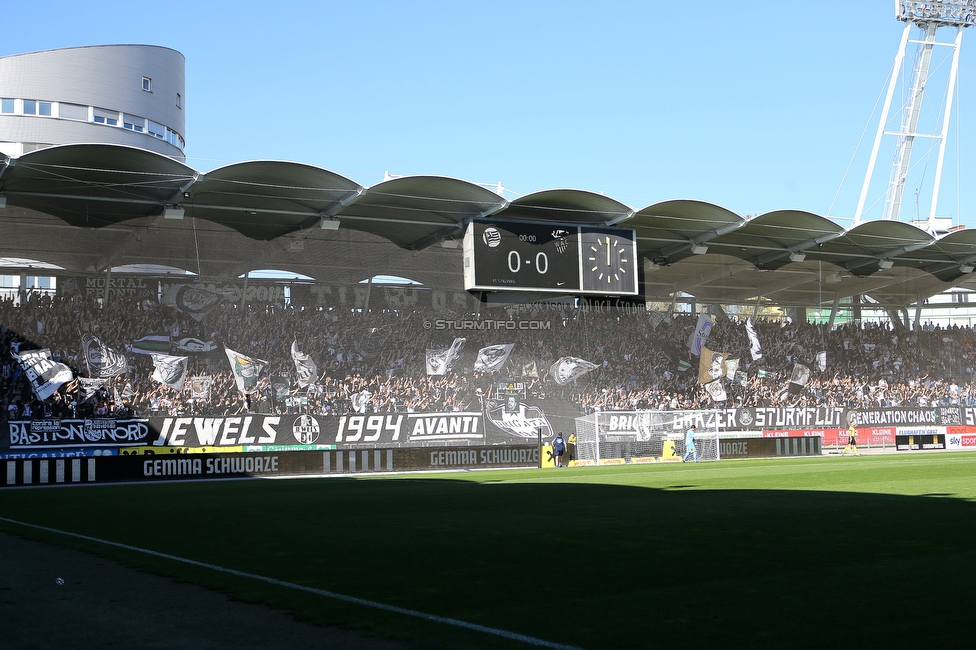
pixel 731 367
pixel 700 334
pixel 360 400
pixel 716 390
pixel 246 370
pixel 493 357
pixel 567 369
pixel 304 366
pixel 437 361
pixel 169 370
pixel 754 346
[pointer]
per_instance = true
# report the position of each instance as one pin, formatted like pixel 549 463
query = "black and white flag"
pixel 102 361
pixel 305 369
pixel 45 374
pixel 439 361
pixel 754 347
pixel 822 361
pixel 799 378
pixel 360 400
pixel 169 370
pixel 493 357
pixel 87 388
pixel 193 301
pixel 716 390
pixel 190 344
pixel 200 388
pixel 567 369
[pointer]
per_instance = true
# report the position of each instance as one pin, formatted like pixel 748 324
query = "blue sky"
pixel 755 105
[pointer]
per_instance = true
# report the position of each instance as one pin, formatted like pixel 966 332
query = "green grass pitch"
pixel 817 552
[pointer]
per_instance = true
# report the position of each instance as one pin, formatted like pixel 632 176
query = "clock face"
pixel 609 261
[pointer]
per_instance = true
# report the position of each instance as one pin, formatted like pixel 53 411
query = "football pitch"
pixel 812 552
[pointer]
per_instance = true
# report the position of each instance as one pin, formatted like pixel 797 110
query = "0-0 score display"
pixel 525 256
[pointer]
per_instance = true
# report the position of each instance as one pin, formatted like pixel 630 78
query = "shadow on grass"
pixel 599 566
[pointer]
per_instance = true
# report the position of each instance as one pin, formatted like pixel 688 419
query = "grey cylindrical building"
pixel 115 94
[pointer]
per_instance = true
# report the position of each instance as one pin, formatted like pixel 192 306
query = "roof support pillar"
pixel 833 311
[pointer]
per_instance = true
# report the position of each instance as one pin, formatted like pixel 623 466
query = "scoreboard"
pixel 549 257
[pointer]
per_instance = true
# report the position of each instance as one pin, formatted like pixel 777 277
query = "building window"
pixel 157 130
pixel 147 84
pixel 102 116
pixel 179 101
pixel 6 105
pixel 133 123
pixel 44 108
pixel 73 111
pixel 30 107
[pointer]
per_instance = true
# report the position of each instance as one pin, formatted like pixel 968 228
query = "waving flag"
pixel 360 400
pixel 192 300
pixel 45 374
pixel 169 370
pixel 200 388
pixel 700 334
pixel 567 369
pixel 102 361
pixel 493 357
pixel 152 344
pixel 822 361
pixel 716 390
pixel 246 370
pixel 754 346
pixel 88 387
pixel 799 378
pixel 439 361
pixel 711 365
pixel 304 366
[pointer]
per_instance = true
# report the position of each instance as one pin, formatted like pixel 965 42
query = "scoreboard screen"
pixel 549 257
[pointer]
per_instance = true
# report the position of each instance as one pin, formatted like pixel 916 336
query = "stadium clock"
pixel 549 257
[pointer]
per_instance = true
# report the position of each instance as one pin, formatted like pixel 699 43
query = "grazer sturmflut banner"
pixel 492 426
pixel 296 431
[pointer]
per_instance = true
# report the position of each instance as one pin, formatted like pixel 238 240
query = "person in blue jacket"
pixel 558 449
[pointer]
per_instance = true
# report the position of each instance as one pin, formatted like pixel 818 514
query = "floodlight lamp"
pixel 885 264
pixel 329 223
pixel 966 268
pixel 797 257
pixel 172 212
pixel 698 249
pixel 957 13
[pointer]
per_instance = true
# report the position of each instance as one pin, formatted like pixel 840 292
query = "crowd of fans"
pixel 376 361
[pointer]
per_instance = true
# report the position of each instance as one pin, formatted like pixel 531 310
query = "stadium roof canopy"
pixel 88 208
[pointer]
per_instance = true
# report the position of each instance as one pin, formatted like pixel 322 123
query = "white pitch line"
pixel 514 636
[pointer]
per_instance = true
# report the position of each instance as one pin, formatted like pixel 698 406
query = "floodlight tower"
pixel 928 16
